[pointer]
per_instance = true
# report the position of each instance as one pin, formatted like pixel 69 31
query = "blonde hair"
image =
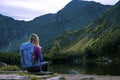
pixel 34 39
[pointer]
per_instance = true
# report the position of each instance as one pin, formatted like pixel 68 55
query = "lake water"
pixel 88 68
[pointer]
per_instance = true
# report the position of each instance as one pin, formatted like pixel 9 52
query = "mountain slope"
pixel 10 33
pixel 99 38
pixel 79 13
pixel 74 16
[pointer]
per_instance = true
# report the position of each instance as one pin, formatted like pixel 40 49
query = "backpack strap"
pixel 23 58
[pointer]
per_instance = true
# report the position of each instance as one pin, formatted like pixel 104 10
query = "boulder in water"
pixel 73 72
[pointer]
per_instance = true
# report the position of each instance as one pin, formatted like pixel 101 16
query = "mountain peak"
pixel 79 11
pixel 77 0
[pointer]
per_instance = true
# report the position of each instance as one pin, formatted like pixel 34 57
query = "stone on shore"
pixel 56 78
pixel 13 77
pixel 73 72
pixel 2 64
pixel 87 78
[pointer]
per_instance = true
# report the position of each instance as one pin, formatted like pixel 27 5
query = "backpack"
pixel 26 54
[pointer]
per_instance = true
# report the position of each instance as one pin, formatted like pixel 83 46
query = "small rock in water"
pixel 73 72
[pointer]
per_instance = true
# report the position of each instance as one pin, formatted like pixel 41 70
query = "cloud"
pixel 20 13
pixel 29 9
pixel 106 2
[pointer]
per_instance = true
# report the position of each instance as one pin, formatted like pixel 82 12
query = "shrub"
pixel 10 58
pixel 10 68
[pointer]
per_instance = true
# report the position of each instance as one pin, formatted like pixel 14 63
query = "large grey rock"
pixel 73 72
pixel 2 64
pixel 87 78
pixel 13 77
pixel 56 78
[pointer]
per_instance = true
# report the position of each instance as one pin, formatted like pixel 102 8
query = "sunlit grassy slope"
pixel 100 38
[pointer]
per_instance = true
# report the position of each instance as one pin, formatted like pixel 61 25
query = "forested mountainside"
pixel 99 39
pixel 73 16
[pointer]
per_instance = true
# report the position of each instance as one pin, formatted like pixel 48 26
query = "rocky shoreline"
pixel 58 77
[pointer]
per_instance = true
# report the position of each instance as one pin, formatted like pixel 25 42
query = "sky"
pixel 29 9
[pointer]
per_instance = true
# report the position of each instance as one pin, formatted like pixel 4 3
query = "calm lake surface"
pixel 88 68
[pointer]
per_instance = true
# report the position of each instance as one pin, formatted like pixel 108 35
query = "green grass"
pixel 10 68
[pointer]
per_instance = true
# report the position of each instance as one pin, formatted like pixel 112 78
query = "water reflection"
pixel 87 68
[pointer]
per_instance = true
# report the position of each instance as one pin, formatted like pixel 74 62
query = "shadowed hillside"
pixel 11 34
